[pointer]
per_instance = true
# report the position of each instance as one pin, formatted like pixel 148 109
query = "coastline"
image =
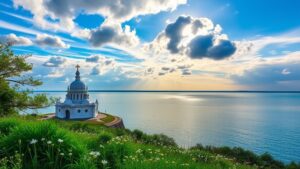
pixel 101 119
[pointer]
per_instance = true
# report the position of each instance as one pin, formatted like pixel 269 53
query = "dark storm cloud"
pixel 224 49
pixel 173 32
pixel 102 35
pixel 199 46
pixel 59 7
pixel 209 45
pixel 203 47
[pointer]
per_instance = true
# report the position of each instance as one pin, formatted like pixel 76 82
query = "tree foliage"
pixel 14 82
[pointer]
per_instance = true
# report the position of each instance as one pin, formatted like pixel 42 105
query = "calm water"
pixel 256 121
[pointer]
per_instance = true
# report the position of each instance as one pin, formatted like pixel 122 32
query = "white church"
pixel 76 104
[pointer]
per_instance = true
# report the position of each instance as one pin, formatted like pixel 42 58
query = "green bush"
pixel 104 137
pixel 137 134
pixel 156 139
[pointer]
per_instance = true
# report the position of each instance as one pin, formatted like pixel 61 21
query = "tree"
pixel 14 94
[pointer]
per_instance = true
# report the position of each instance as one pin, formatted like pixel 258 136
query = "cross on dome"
pixel 77 66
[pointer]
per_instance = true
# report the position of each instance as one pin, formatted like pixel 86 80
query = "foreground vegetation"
pixel 26 142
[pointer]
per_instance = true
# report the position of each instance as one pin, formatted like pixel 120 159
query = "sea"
pixel 257 121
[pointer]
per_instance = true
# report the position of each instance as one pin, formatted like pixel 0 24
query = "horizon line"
pixel 221 91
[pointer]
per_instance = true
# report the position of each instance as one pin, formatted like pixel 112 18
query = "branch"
pixel 29 81
pixel 16 81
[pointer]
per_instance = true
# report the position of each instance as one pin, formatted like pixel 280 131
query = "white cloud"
pixel 15 40
pixel 65 11
pixel 54 61
pixel 55 74
pixel 112 33
pixel 52 41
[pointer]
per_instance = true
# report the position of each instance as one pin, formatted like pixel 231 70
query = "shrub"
pixel 137 134
pixel 268 161
pixel 105 137
pixel 156 139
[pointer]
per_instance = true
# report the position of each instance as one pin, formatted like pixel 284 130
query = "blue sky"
pixel 158 45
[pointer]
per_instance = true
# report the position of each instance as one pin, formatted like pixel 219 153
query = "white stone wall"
pixel 75 113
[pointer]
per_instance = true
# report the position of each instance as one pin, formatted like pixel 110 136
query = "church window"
pixel 86 110
pixel 78 110
pixel 59 110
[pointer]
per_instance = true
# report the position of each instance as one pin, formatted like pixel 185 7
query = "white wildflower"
pixel 60 140
pixel 104 162
pixel 33 141
pixel 95 153
pixel 49 142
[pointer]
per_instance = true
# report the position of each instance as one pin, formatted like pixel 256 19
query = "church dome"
pixel 77 84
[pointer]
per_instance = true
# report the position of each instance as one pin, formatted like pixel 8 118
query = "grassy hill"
pixel 26 142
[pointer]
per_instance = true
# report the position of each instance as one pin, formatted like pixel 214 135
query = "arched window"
pixel 86 110
pixel 78 110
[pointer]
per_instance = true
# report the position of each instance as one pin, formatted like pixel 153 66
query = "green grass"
pixel 109 118
pixel 29 143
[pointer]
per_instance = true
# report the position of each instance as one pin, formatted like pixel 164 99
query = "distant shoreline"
pixel 178 91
